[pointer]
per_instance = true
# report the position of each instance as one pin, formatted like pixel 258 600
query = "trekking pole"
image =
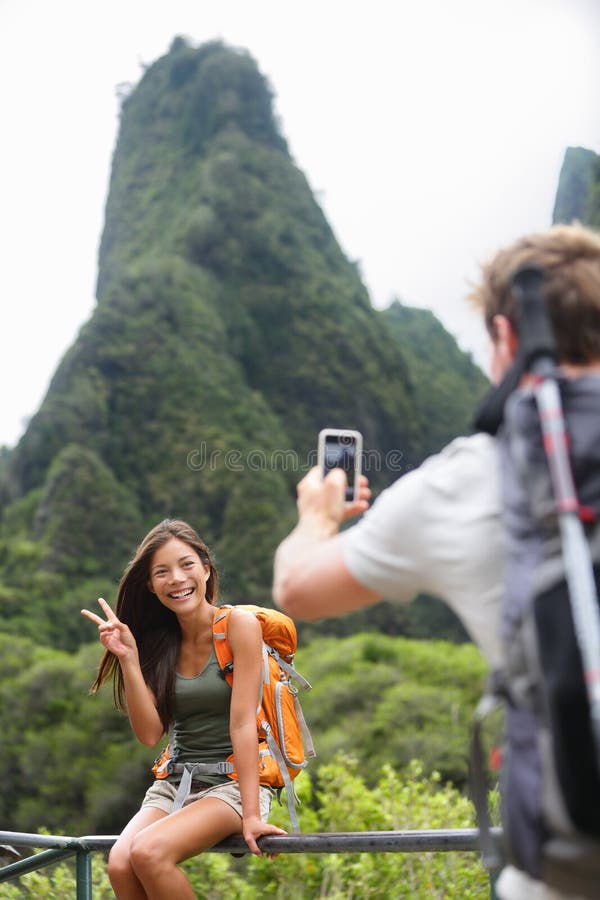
pixel 539 349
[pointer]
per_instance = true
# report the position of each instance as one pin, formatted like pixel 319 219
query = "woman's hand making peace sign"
pixel 115 635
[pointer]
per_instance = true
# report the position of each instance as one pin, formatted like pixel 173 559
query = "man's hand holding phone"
pixel 335 490
pixel 324 498
pixel 322 507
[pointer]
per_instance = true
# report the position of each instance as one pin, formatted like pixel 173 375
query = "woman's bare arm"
pixel 141 702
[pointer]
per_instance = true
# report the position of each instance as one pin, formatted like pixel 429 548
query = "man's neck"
pixel 570 370
pixel 575 371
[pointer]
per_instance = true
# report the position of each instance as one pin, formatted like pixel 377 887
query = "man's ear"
pixel 505 338
pixel 504 345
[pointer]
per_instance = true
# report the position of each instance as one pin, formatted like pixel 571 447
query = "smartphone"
pixel 341 448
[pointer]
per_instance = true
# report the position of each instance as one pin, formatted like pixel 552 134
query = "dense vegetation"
pixel 376 705
pixel 385 700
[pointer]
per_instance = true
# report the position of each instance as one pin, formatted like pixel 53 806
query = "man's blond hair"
pixel 570 258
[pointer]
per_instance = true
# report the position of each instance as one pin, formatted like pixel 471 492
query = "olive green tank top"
pixel 201 726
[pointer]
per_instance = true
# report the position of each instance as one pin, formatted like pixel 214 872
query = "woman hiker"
pixel 159 654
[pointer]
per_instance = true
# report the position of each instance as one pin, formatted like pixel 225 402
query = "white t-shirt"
pixel 437 531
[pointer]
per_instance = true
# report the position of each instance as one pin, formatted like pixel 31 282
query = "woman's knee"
pixel 119 864
pixel 147 853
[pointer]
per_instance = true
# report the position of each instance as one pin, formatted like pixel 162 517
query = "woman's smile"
pixel 182 594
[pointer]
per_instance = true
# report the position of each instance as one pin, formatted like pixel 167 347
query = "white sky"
pixel 431 132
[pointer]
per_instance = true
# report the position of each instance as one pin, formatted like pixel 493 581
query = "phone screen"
pixel 340 451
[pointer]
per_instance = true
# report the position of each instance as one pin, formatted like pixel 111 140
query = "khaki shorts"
pixel 162 793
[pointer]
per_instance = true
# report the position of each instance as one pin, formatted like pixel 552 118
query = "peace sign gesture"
pixel 115 635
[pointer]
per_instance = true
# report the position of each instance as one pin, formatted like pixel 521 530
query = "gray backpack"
pixel 550 774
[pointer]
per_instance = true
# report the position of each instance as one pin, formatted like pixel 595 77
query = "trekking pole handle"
pixel 538 347
pixel 536 338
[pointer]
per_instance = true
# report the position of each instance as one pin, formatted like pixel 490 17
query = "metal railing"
pixel 55 848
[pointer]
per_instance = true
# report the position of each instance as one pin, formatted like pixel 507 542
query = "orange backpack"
pixel 284 741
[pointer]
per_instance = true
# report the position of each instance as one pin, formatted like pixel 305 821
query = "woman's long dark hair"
pixel 154 627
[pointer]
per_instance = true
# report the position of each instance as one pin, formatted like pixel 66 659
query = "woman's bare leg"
pixel 122 877
pixel 156 851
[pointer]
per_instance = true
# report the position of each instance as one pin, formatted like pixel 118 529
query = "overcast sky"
pixel 431 132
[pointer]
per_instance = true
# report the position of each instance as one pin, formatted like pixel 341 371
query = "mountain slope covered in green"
pixel 229 329
pixel 439 372
pixel 578 193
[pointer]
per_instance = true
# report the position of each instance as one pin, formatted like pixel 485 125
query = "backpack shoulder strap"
pixel 221 642
pixel 223 647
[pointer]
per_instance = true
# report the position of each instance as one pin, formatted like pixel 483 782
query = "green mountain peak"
pixel 229 329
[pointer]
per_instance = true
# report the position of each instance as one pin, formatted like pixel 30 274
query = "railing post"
pixel 493 879
pixel 83 868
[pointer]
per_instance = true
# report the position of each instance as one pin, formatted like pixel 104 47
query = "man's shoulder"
pixel 465 468
pixel 472 457
pixel 475 446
